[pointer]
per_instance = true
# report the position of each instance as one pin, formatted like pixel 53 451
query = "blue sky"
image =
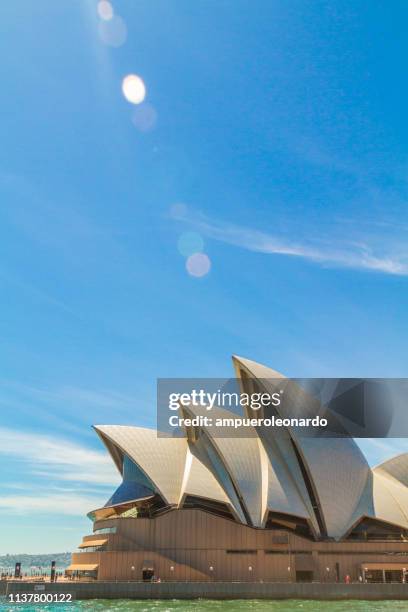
pixel 275 131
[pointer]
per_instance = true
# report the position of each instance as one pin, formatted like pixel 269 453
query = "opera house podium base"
pixel 194 545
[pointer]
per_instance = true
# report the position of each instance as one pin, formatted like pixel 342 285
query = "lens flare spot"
pixel 133 89
pixel 190 243
pixel 105 10
pixel 198 264
pixel 144 118
pixel 113 32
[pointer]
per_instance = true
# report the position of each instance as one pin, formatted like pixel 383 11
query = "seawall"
pixel 212 590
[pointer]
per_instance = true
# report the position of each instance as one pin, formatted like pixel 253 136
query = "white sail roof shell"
pixel 265 472
pixel 161 459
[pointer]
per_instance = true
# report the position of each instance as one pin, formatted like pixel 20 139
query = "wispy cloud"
pixel 74 396
pixel 65 407
pixel 49 503
pixel 331 252
pixel 44 464
pixel 57 458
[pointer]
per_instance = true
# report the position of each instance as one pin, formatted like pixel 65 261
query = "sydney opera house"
pixel 264 507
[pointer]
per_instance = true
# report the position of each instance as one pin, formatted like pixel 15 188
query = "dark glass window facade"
pixel 135 485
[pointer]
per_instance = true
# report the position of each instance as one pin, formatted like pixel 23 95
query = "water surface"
pixel 207 605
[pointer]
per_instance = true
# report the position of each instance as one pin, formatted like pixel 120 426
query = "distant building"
pixel 262 508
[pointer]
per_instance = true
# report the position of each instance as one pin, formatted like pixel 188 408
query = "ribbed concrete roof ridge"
pixel 258 369
pixel 283 494
pixel 199 481
pixel 241 459
pixel 209 456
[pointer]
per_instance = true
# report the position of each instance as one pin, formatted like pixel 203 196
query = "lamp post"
pixel 328 573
